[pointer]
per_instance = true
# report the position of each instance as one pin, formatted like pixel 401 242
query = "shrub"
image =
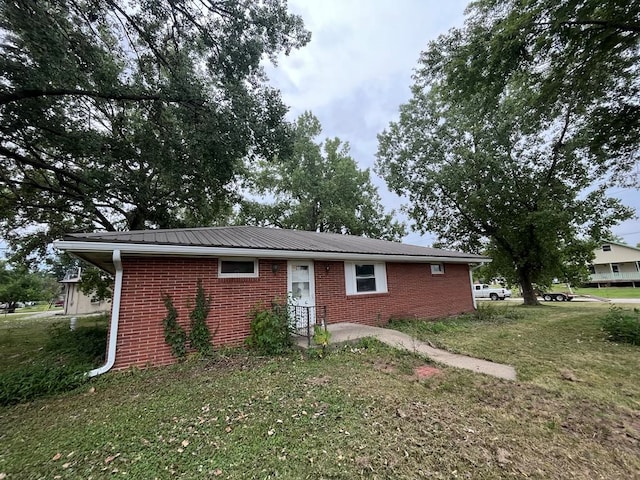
pixel 270 331
pixel 174 334
pixel 622 325
pixel 200 336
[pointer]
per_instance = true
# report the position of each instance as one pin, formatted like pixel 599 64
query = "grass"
pixel 23 340
pixel 358 413
pixel 610 292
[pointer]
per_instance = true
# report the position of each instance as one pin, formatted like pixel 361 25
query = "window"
pixel 362 278
pixel 606 248
pixel 615 268
pixel 237 268
pixel 437 268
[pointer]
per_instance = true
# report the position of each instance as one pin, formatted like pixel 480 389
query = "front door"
pixel 303 293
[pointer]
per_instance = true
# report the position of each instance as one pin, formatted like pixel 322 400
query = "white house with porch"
pixel 615 264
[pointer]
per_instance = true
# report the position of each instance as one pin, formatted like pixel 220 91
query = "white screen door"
pixel 303 292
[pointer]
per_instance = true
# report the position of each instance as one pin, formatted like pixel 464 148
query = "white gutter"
pixel 153 249
pixel 115 318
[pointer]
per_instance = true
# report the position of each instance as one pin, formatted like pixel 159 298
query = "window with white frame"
pixel 365 277
pixel 238 267
pixel 606 248
pixel 615 268
pixel 437 268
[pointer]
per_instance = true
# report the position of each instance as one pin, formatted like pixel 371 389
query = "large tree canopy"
pixel 514 124
pixel 125 115
pixel 318 188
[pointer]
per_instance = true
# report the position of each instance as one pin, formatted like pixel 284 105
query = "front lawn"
pixel 360 412
pixel 610 292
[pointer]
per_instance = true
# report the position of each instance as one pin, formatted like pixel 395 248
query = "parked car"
pixel 483 290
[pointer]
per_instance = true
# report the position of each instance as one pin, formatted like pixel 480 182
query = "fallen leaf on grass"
pixel 66 465
pixel 569 375
pixel 503 456
pixel 217 472
pixel 3 475
pixel 111 458
pixel 185 443
pixel 228 429
pixel 57 456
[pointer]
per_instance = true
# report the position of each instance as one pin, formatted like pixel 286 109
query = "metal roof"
pixel 264 238
pixel 252 242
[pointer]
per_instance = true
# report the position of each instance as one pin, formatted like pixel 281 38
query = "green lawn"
pixel 610 292
pixel 360 412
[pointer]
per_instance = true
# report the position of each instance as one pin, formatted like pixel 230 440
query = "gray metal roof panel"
pixel 266 238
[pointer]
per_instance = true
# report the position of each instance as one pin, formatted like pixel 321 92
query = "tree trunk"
pixel 526 285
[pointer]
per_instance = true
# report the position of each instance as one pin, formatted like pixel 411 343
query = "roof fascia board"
pixel 182 250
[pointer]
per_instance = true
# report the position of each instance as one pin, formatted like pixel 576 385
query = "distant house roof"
pixel 245 241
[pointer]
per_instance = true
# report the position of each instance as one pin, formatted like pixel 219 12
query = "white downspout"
pixel 473 295
pixel 115 317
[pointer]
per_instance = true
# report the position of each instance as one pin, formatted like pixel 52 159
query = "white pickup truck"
pixel 486 291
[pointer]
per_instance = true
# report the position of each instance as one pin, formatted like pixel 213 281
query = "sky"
pixel 356 72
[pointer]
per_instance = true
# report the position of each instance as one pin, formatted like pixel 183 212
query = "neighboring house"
pixel 615 264
pixel 75 301
pixel 357 279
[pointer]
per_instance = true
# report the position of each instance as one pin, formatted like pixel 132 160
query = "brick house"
pixel 353 279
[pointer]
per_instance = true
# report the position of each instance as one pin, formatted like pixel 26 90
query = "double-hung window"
pixel 365 277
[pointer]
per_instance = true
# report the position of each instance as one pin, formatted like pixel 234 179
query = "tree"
pixel 117 115
pixel 498 149
pixel 18 284
pixel 318 188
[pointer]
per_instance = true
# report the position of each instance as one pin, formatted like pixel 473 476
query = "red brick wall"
pixel 145 280
pixel 412 292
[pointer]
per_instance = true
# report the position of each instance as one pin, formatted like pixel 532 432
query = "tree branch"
pixel 18 95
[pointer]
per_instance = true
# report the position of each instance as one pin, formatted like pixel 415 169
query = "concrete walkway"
pixel 344 332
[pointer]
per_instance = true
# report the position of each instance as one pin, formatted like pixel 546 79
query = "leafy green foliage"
pixel 499 149
pixel 321 337
pixel 318 188
pixel 70 354
pixel 199 335
pixel 622 325
pixel 174 334
pixel 270 331
pixel 86 344
pixel 19 284
pixel 116 116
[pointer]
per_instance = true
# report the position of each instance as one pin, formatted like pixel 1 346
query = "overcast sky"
pixel 356 71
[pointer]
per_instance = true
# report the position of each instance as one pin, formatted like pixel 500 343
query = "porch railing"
pixel 620 276
pixel 305 319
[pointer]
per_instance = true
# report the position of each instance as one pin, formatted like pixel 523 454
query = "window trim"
pixel 440 266
pixel 351 283
pixel 606 247
pixel 255 273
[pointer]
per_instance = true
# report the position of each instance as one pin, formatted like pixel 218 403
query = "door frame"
pixel 312 291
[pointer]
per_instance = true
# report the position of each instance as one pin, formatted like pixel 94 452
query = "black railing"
pixel 304 320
